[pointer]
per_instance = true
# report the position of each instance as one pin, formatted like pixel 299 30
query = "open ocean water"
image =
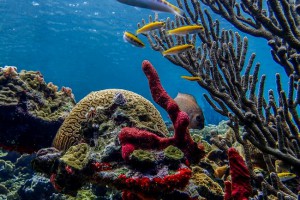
pixel 79 44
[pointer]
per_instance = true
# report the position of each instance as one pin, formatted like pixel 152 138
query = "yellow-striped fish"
pixel 155 5
pixel 178 49
pixel 150 27
pixel 132 39
pixel 184 30
pixel 191 78
pixel 285 176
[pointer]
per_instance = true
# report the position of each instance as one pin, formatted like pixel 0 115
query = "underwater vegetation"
pixel 114 144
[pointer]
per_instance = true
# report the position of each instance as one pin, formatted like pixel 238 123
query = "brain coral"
pixel 77 156
pixel 141 112
pixel 205 185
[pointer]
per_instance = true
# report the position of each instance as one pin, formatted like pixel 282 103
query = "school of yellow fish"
pixel 165 7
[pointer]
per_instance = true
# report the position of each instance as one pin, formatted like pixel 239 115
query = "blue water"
pixel 79 44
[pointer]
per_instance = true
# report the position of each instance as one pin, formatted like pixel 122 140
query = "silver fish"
pixel 155 5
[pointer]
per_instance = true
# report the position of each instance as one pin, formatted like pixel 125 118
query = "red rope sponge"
pixel 133 138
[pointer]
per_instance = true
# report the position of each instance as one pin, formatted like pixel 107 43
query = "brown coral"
pixel 141 111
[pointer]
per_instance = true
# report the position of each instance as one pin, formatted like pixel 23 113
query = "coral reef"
pixel 13 174
pixel 138 111
pixel 173 153
pixel 267 126
pixel 115 138
pixel 142 157
pixel 132 138
pixel 206 187
pixel 31 110
pixel 77 156
pixel 37 187
pixel 3 190
pixel 137 159
pixel 221 128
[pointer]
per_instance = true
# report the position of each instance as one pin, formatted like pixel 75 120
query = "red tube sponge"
pixel 240 187
pixel 133 138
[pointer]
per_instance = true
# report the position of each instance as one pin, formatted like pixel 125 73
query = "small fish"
pixel 285 176
pixel 155 5
pixel 132 39
pixel 188 104
pixel 178 49
pixel 184 30
pixel 191 78
pixel 150 27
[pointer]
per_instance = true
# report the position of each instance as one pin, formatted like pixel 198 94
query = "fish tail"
pixel 175 10
pixel 178 11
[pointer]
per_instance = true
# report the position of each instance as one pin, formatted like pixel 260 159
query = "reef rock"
pixel 37 187
pixel 31 111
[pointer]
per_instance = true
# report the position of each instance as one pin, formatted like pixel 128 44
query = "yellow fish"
pixel 132 39
pixel 178 49
pixel 191 78
pixel 184 30
pixel 150 27
pixel 285 176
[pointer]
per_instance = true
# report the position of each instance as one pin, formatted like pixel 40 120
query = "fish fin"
pixel 179 12
pixel 189 96
pixel 124 39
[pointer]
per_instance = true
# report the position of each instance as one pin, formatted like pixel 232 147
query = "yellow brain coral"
pixel 208 187
pixel 77 156
pixel 140 110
